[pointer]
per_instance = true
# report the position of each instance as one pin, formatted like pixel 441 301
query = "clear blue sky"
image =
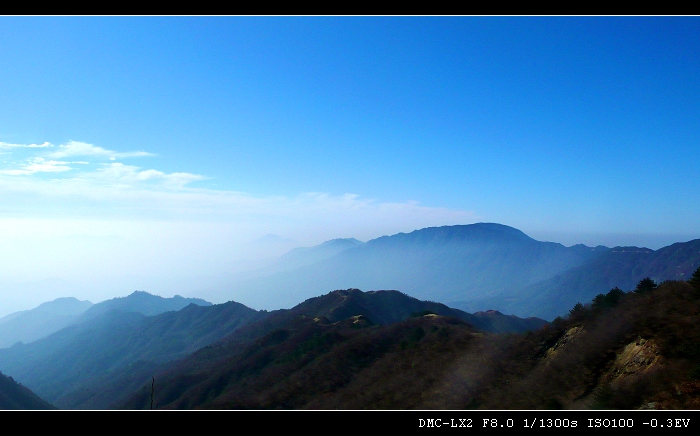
pixel 177 135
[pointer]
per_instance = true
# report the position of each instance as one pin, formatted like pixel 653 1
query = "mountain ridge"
pixel 446 264
pixel 29 325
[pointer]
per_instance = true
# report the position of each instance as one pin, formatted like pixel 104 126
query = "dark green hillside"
pixel 380 307
pixel 623 350
pixel 338 334
pixel 14 396
pixel 311 359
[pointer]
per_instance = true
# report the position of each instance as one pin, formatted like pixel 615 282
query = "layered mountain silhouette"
pixel 621 267
pixel 94 363
pixel 464 264
pixel 70 361
pixel 415 347
pixel 636 350
pixel 144 303
pixel 30 325
pixel 475 267
pixel 14 396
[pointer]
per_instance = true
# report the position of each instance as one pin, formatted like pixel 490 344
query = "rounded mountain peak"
pixel 478 232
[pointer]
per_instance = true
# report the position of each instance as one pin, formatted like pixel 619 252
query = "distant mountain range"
pixel 621 267
pixel 475 267
pixel 143 303
pixel 80 355
pixel 30 325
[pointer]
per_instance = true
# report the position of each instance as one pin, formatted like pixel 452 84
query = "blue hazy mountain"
pixel 144 303
pixel 302 256
pixel 477 267
pixel 464 263
pixel 75 365
pixel 621 267
pixel 30 325
pixel 49 317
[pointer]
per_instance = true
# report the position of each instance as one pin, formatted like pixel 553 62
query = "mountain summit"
pixel 468 264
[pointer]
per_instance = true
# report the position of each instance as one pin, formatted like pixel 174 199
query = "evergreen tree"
pixel 695 279
pixel 645 285
pixel 608 300
pixel 576 310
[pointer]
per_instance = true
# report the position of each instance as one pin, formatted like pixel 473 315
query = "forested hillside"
pixel 623 350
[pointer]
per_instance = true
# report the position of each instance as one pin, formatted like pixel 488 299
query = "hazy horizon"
pixel 149 152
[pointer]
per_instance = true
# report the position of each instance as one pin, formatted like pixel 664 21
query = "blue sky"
pixel 149 139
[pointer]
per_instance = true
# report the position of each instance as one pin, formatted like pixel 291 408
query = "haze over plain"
pixel 151 153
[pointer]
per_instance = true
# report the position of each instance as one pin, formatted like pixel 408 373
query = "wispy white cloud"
pixel 111 173
pixel 91 187
pixel 118 191
pixel 38 165
pixel 131 175
pixel 77 148
pixel 8 145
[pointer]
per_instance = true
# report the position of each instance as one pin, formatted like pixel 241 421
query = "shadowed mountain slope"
pixel 14 396
pixel 74 358
pixel 621 267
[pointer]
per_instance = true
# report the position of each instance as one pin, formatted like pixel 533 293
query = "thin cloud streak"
pixel 8 145
pixel 113 190
pixel 121 191
pixel 77 148
pixel 39 165
pixel 43 162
